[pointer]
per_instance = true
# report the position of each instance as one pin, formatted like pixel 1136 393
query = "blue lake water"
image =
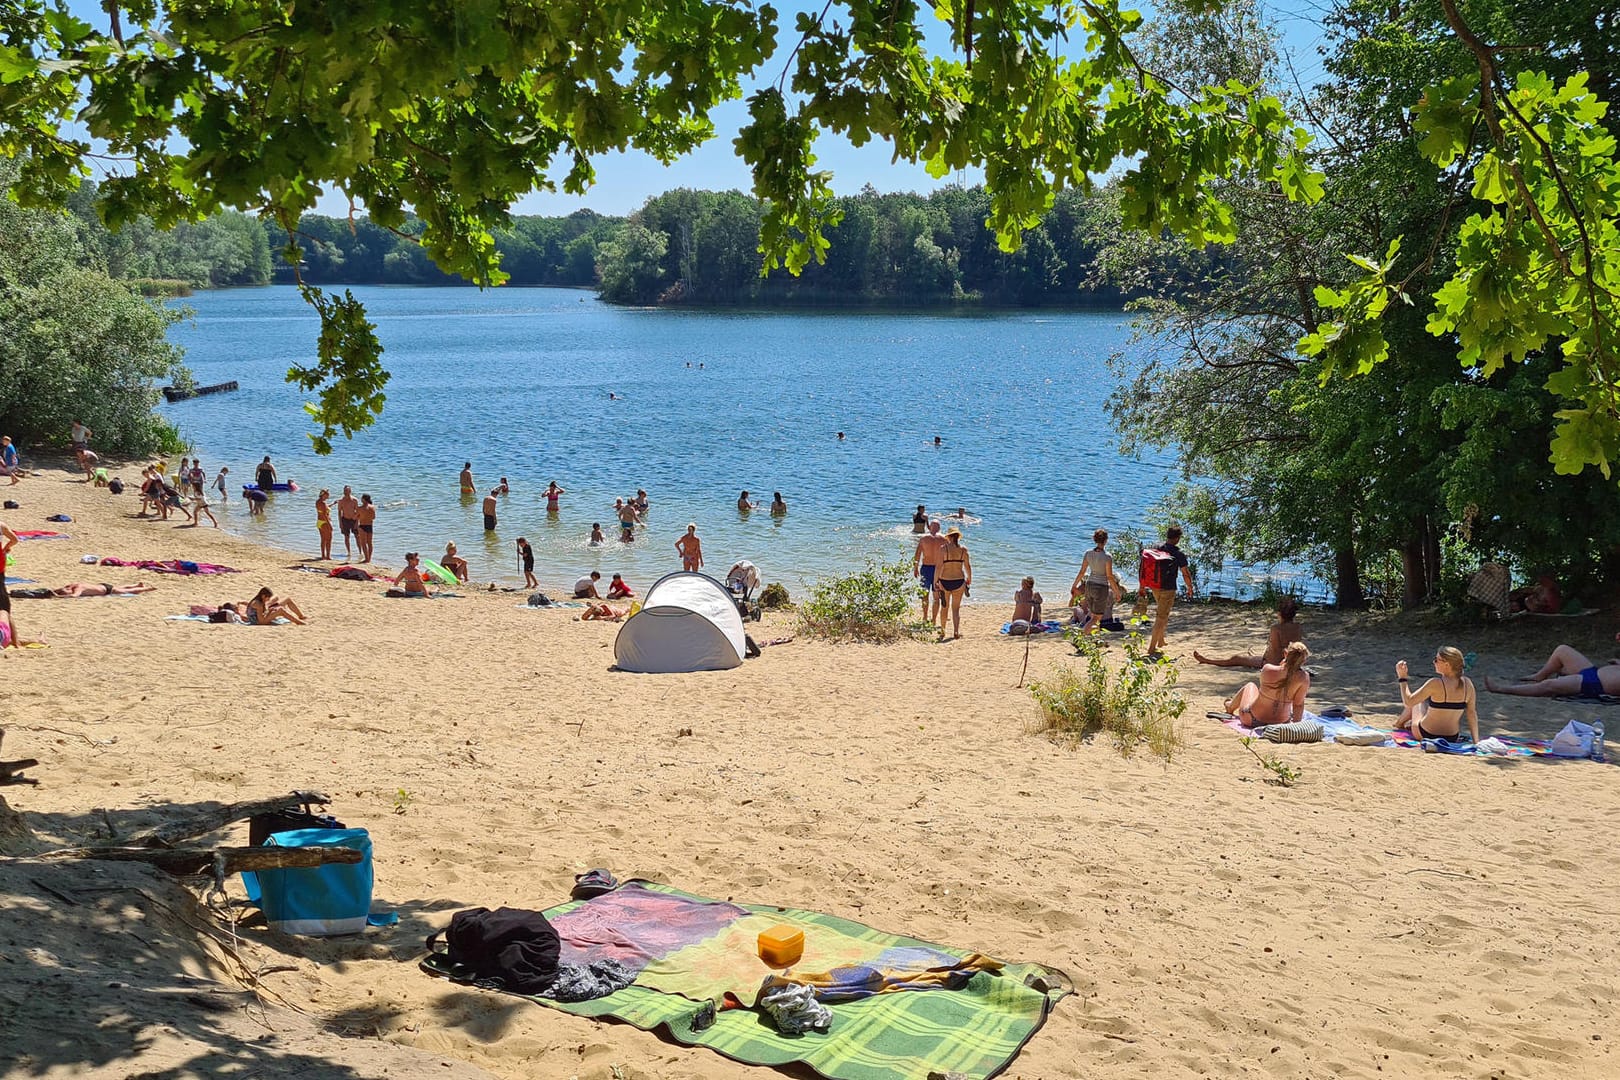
pixel 707 404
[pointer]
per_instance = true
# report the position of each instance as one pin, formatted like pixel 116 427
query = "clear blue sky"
pixel 625 181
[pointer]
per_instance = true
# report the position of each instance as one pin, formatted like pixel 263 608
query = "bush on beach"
pixel 868 605
pixel 774 596
pixel 1136 705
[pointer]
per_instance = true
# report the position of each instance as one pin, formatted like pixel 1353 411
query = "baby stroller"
pixel 742 580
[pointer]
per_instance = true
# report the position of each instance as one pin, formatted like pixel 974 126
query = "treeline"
pixel 701 247
pixel 682 247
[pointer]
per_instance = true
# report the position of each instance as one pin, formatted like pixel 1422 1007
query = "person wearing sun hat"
pixel 951 581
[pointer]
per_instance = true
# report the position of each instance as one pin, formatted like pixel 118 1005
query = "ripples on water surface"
pixel 517 381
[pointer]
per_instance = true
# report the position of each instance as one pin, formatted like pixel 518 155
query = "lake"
pixel 704 405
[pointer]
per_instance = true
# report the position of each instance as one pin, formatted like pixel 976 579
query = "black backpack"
pixel 505 949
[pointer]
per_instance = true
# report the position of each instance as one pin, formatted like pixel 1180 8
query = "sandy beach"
pixel 1394 914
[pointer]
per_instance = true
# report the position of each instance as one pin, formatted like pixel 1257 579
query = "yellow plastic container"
pixel 635 606
pixel 781 946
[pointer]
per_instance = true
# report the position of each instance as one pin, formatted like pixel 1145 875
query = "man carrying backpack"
pixel 1159 568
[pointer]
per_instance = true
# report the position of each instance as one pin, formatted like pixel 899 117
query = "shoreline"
pixel 1391 908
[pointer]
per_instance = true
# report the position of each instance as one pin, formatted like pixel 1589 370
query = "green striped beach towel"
pixel 975 1030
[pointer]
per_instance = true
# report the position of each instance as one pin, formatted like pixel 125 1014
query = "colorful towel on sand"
pixel 1050 626
pixel 240 622
pixel 893 1015
pixel 171 566
pixel 1495 746
pixel 41 534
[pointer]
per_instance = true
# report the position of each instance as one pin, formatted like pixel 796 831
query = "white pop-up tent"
pixel 687 622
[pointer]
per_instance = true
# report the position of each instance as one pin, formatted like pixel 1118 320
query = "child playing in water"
pixel 526 555
pixel 597 539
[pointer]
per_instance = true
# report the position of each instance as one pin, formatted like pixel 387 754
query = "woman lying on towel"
pixel 1437 708
pixel 1278 695
pixel 603 612
pixel 266 607
pixel 75 589
pixel 1285 632
pixel 1566 674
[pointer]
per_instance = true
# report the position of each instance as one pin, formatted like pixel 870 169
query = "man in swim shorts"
pixel 1567 673
pixel 467 485
pixel 490 503
pixel 925 565
pixel 348 513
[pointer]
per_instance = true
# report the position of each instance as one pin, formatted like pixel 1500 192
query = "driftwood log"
pixel 226 860
pixel 157 846
pixel 11 771
pixel 206 822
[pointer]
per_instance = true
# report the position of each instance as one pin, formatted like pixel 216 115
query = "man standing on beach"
pixel 348 516
pixel 925 564
pixel 1165 597
pixel 490 502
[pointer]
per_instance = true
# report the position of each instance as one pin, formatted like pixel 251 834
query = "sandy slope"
pixel 1395 914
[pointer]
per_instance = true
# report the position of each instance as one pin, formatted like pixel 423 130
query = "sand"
pixel 1393 914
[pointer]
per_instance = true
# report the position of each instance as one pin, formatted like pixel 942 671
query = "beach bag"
pixel 505 949
pixel 1158 569
pixel 318 901
pixel 1577 740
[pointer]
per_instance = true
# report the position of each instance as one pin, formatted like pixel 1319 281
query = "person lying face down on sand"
pixel 1566 673
pixel 1283 634
pixel 1278 695
pixel 1437 708
pixel 604 612
pixel 75 589
pixel 266 607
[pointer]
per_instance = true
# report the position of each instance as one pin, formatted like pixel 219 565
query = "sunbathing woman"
pixel 1283 634
pixel 1278 695
pixel 1437 708
pixel 410 580
pixel 266 607
pixel 603 612
pixel 75 589
pixel 1566 674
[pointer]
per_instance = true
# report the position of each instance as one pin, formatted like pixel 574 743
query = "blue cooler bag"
pixel 319 901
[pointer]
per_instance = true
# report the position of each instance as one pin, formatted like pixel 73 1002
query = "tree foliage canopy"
pixel 453 109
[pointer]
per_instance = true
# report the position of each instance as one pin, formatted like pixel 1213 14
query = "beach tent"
pixel 687 622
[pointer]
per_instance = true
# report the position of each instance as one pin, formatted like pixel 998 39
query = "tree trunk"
pixel 230 860
pixel 1413 574
pixel 1347 572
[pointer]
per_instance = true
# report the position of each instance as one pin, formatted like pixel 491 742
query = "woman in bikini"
pixel 323 523
pixel 266 607
pixel 1278 695
pixel 1437 708
pixel 951 581
pixel 410 581
pixel 365 521
pixel 1567 673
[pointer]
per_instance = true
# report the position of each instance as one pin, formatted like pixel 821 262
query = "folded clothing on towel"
pixel 1300 731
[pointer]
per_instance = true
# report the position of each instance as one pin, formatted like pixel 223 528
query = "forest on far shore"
pixel 681 247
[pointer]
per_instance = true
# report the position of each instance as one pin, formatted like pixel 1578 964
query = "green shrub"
pixel 774 596
pixel 870 604
pixel 1136 704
